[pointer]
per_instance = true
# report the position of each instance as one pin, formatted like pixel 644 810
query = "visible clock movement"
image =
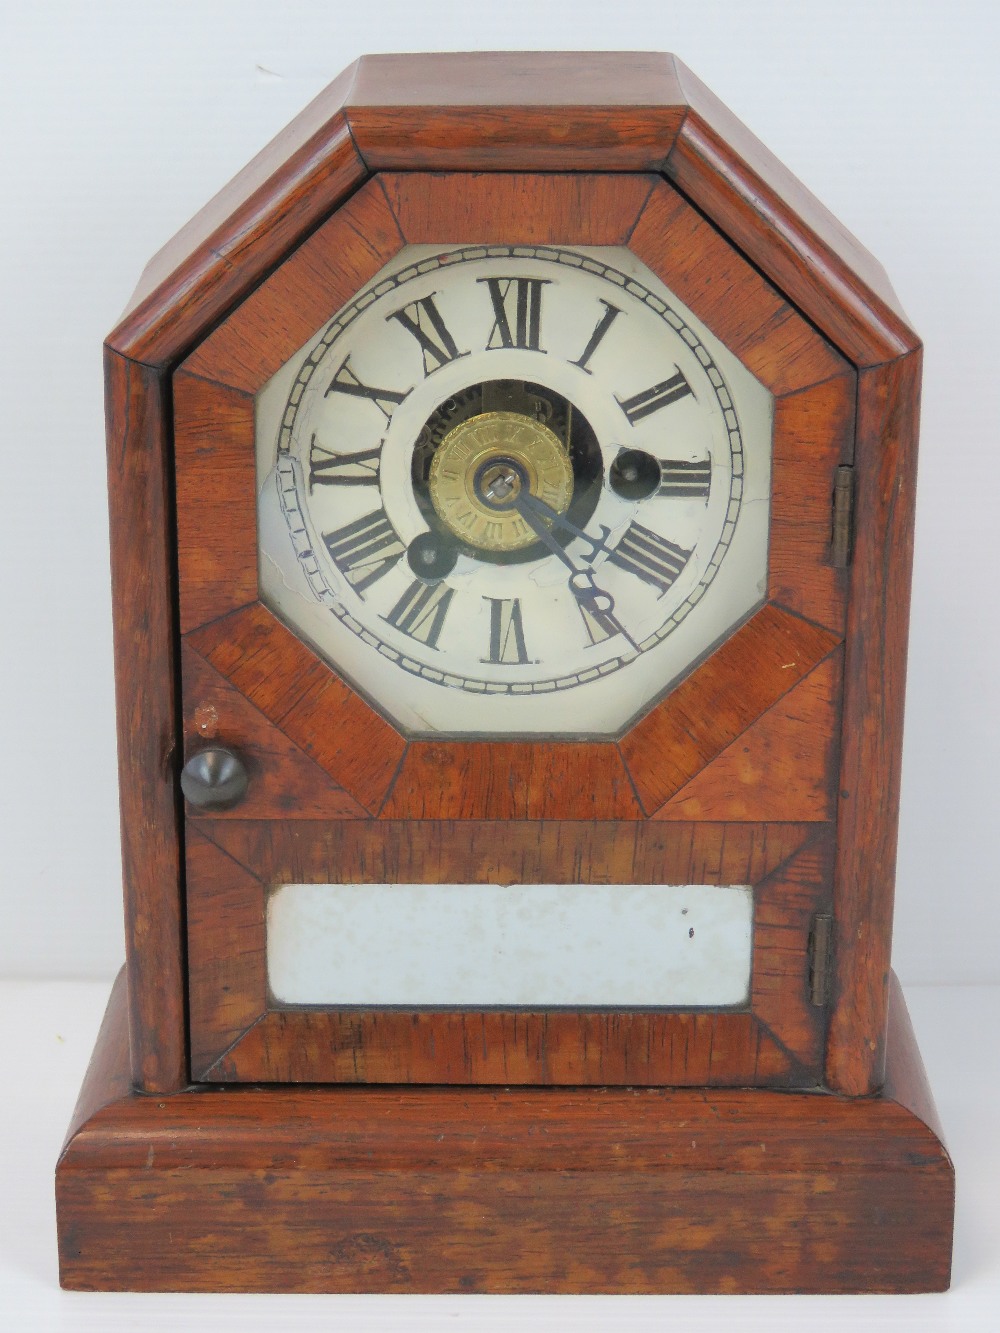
pixel 512 512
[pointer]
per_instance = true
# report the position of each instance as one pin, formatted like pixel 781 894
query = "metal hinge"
pixel 820 959
pixel 842 541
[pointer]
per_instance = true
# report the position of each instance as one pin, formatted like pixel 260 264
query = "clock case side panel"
pixel 872 740
pixel 143 576
pixel 200 275
pixel 825 273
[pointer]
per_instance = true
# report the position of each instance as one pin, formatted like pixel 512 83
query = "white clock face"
pixel 513 490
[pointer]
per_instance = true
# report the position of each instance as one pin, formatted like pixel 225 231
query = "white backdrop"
pixel 119 120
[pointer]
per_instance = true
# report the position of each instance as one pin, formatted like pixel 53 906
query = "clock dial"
pixel 513 490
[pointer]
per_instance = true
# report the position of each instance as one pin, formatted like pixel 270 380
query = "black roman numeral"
pixel 364 550
pixel 685 481
pixel 329 469
pixel 421 610
pixel 345 381
pixel 650 557
pixel 517 312
pixel 423 319
pixel 506 631
pixel 651 400
pixel 611 313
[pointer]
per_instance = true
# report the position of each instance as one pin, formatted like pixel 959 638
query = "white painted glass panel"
pixel 616 945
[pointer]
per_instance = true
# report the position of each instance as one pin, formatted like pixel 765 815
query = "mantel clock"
pixel 512 504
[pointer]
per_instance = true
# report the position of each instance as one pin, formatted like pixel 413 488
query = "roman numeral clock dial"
pixel 513 490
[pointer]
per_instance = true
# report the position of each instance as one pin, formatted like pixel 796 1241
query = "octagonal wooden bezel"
pixel 223 621
pixel 642 112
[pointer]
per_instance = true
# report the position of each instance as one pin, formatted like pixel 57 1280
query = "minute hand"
pixel 589 596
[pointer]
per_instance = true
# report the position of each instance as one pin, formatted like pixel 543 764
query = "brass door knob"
pixel 214 779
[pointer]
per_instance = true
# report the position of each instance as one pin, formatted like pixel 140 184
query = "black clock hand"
pixel 526 500
pixel 589 596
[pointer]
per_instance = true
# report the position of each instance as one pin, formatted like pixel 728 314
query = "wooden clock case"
pixel 790 1147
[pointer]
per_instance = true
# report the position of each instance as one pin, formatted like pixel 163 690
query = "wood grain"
pixel 305 851
pixel 813 433
pixel 250 225
pixel 784 230
pixel 494 780
pixel 742 679
pixel 284 782
pixel 302 295
pixel 215 480
pixel 523 1047
pixel 782 767
pixel 436 1189
pixel 703 269
pixel 142 578
pixel 493 1045
pixel 513 208
pixel 225 929
pixel 874 689
pixel 537 111
pixel 785 906
pixel 291 687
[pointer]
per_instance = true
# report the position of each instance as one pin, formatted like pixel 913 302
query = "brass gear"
pixel 481 466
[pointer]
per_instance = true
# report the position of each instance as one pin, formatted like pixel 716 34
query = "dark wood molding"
pixel 143 580
pixel 874 694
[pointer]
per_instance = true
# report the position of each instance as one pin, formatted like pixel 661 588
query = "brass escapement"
pixel 483 464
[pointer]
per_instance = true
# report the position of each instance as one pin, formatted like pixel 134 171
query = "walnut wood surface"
pixel 512 780
pixel 143 590
pixel 536 110
pixel 782 767
pixel 874 686
pixel 506 851
pixel 729 174
pixel 226 911
pixel 743 678
pixel 282 776
pixel 498 1047
pixel 215 493
pixel 751 317
pixel 504 1190
pixel 225 920
pixel 220 255
pixel 472 208
pixel 288 683
pixel 298 299
pixel 813 433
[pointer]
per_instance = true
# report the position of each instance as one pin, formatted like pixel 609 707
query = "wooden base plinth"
pixel 387 1189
